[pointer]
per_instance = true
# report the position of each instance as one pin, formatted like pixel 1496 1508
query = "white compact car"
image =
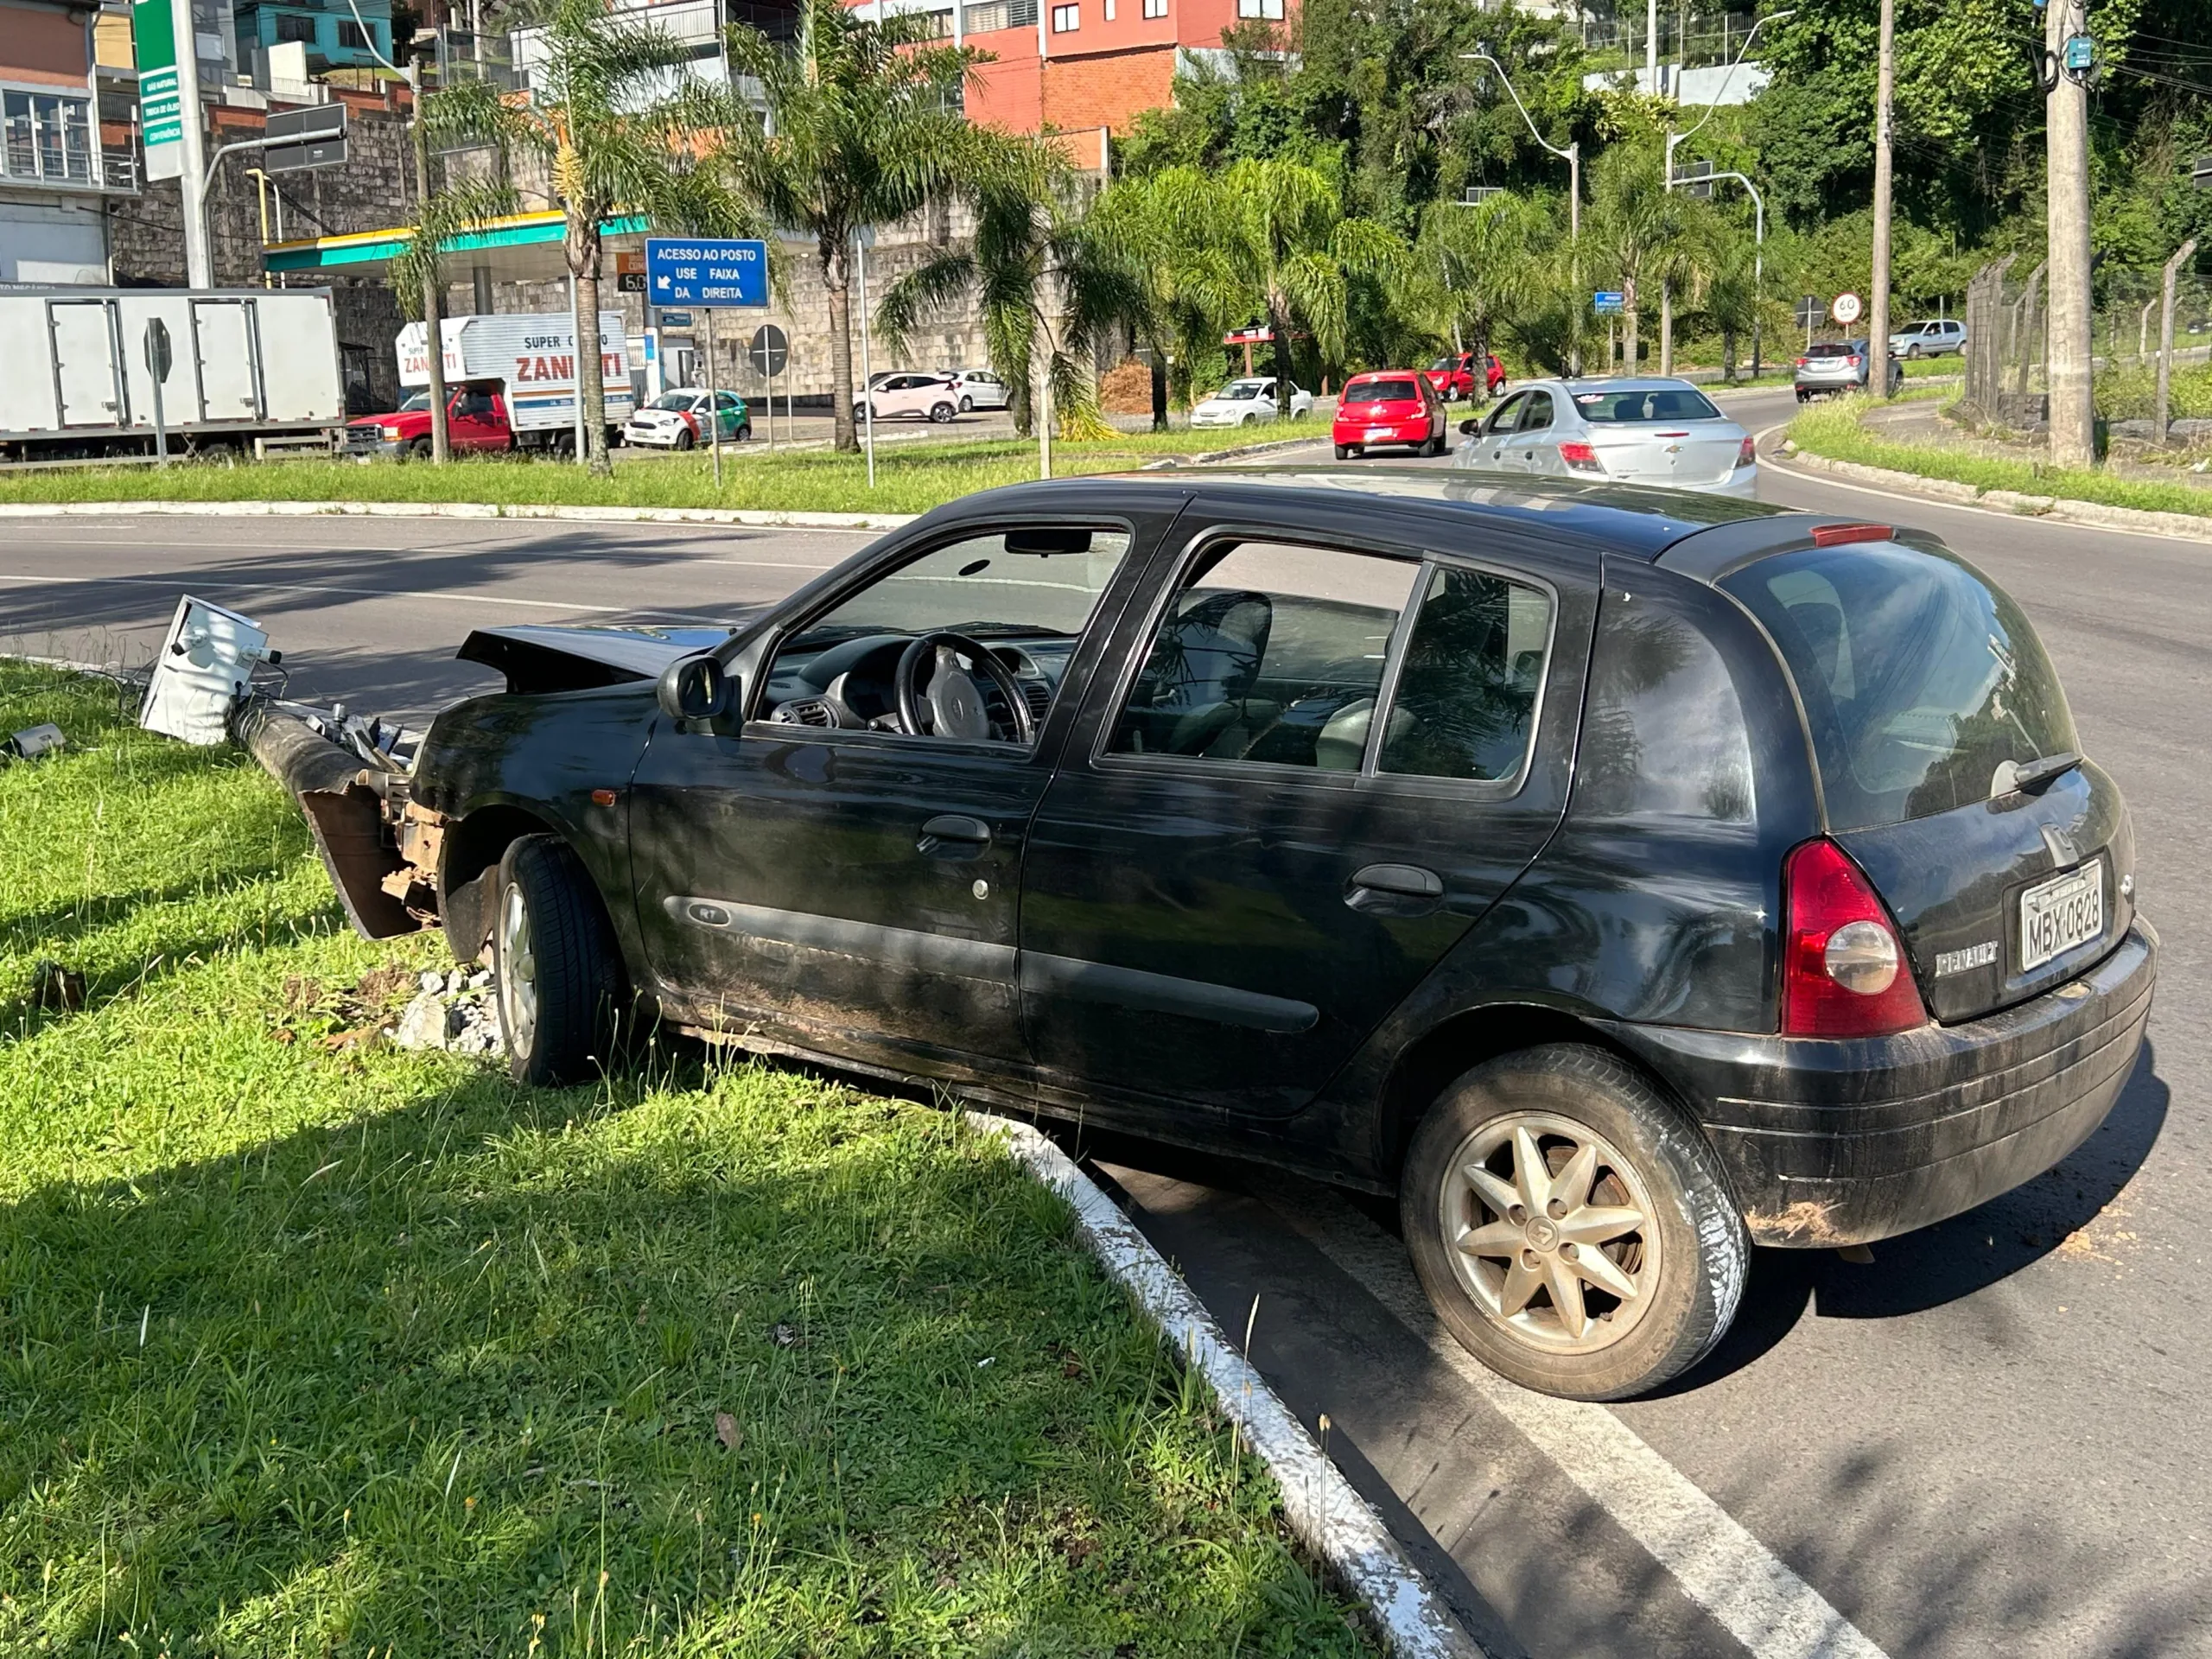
pixel 678 419
pixel 929 397
pixel 977 389
pixel 1249 403
pixel 1663 433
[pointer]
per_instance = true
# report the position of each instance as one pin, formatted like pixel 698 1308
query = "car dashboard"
pixel 850 685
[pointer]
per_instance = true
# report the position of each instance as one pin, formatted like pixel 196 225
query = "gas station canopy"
pixel 525 248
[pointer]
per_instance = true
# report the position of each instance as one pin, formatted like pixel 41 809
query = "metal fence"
pixel 2007 316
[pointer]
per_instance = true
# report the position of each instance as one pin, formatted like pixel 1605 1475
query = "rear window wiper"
pixel 2033 774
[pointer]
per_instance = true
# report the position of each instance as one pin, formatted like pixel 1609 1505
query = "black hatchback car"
pixel 1621 878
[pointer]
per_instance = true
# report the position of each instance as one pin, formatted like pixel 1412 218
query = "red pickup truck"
pixel 1454 377
pixel 476 419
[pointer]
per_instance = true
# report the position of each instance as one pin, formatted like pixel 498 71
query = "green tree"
pixel 861 128
pixel 1043 277
pixel 612 138
pixel 1637 229
pixel 1276 235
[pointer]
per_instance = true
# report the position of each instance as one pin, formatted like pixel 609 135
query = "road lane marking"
pixel 1742 1585
pixel 186 580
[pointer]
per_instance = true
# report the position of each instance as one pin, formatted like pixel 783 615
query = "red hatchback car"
pixel 1392 406
pixel 1455 376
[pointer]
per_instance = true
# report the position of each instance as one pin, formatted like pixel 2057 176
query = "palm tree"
pixel 416 273
pixel 1637 228
pixel 614 138
pixel 1043 275
pixel 1491 262
pixel 1190 295
pixel 863 128
pixel 1277 232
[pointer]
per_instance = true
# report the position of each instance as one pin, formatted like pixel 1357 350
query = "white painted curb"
pixel 1327 1516
pixel 454 510
pixel 2180 526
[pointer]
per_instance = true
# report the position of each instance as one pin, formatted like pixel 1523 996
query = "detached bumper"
pixel 1843 1142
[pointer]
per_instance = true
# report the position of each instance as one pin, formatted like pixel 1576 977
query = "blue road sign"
pixel 694 270
pixel 676 319
pixel 1610 302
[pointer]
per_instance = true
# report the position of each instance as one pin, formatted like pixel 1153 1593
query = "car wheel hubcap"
pixel 518 972
pixel 1550 1232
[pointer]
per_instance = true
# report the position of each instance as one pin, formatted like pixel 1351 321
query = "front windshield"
pixel 678 401
pixel 1444 363
pixel 415 404
pixel 1241 391
pixel 977 588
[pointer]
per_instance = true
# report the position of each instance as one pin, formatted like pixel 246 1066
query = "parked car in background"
pixel 477 422
pixel 1461 376
pixel 1933 339
pixel 977 389
pixel 1391 407
pixel 1832 367
pixel 1654 431
pixel 1621 878
pixel 925 396
pixel 678 419
pixel 1248 402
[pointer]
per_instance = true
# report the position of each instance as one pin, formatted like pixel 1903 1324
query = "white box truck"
pixel 244 364
pixel 510 383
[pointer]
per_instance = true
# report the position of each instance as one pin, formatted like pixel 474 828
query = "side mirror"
pixel 1470 427
pixel 694 688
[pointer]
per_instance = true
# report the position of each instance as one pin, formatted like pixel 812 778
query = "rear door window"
pixel 1536 414
pixel 1924 685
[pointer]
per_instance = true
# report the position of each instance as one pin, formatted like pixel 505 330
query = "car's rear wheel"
pixel 940 413
pixel 1571 1226
pixel 1344 452
pixel 556 964
pixel 1433 447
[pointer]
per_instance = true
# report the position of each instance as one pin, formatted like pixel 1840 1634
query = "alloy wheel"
pixel 1551 1232
pixel 518 972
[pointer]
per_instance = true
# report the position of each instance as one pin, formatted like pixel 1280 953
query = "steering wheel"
pixel 952 703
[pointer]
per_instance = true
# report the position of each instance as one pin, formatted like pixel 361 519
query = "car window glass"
pixel 976 587
pixel 1664 732
pixel 1503 417
pixel 1382 391
pixel 1269 653
pixel 1465 701
pixel 1536 414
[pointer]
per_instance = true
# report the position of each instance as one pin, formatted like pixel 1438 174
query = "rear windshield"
pixel 1626 408
pixel 1380 391
pixel 1923 683
pixel 1830 348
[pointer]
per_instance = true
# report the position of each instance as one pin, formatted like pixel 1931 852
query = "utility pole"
pixel 433 308
pixel 198 262
pixel 2160 431
pixel 1651 47
pixel 2067 348
pixel 1878 323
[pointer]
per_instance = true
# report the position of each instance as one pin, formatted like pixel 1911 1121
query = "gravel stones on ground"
pixel 452 1012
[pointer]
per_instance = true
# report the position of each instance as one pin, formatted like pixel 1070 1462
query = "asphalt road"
pixel 1991 1441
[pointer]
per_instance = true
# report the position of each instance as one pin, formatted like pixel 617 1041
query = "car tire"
pixel 1344 452
pixel 684 440
pixel 1912 351
pixel 1249 420
pixel 745 432
pixel 556 967
pixel 1683 1260
pixel 1433 448
pixel 420 450
pixel 940 413
pixel 967 405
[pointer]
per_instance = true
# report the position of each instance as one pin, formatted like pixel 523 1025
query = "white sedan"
pixel 976 388
pixel 1665 433
pixel 1249 403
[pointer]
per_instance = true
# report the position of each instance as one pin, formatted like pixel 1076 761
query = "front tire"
pixel 1571 1226
pixel 556 964
pixel 684 441
pixel 967 405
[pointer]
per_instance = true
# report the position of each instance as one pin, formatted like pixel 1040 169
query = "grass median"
pixel 1832 429
pixel 310 1344
pixel 913 475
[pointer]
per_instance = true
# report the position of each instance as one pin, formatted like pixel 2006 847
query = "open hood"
pixel 537 659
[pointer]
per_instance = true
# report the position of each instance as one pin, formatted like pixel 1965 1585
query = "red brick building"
pixel 1073 65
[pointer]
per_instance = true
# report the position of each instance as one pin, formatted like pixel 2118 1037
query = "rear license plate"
pixel 2067 911
pixel 1374 432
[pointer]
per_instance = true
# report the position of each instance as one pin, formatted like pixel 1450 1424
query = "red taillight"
pixel 1850 362
pixel 1837 535
pixel 1746 452
pixel 1580 457
pixel 1844 970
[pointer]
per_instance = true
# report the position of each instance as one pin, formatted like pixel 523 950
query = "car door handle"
pixel 953 835
pixel 1409 881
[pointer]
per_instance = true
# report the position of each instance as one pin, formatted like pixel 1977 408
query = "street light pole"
pixel 1571 154
pixel 198 264
pixel 1742 51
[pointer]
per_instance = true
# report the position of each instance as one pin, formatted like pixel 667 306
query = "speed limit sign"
pixel 1846 309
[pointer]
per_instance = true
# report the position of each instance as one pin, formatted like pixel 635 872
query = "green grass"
pixel 911 475
pixel 2130 391
pixel 310 1344
pixel 1832 429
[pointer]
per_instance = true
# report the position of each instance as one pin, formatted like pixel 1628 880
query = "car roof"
pixel 1593 517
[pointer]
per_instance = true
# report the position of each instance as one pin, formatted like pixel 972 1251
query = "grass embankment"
pixel 1832 429
pixel 911 475
pixel 311 1345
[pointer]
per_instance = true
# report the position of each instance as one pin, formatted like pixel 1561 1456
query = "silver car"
pixel 1935 338
pixel 1650 431
pixel 1832 367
